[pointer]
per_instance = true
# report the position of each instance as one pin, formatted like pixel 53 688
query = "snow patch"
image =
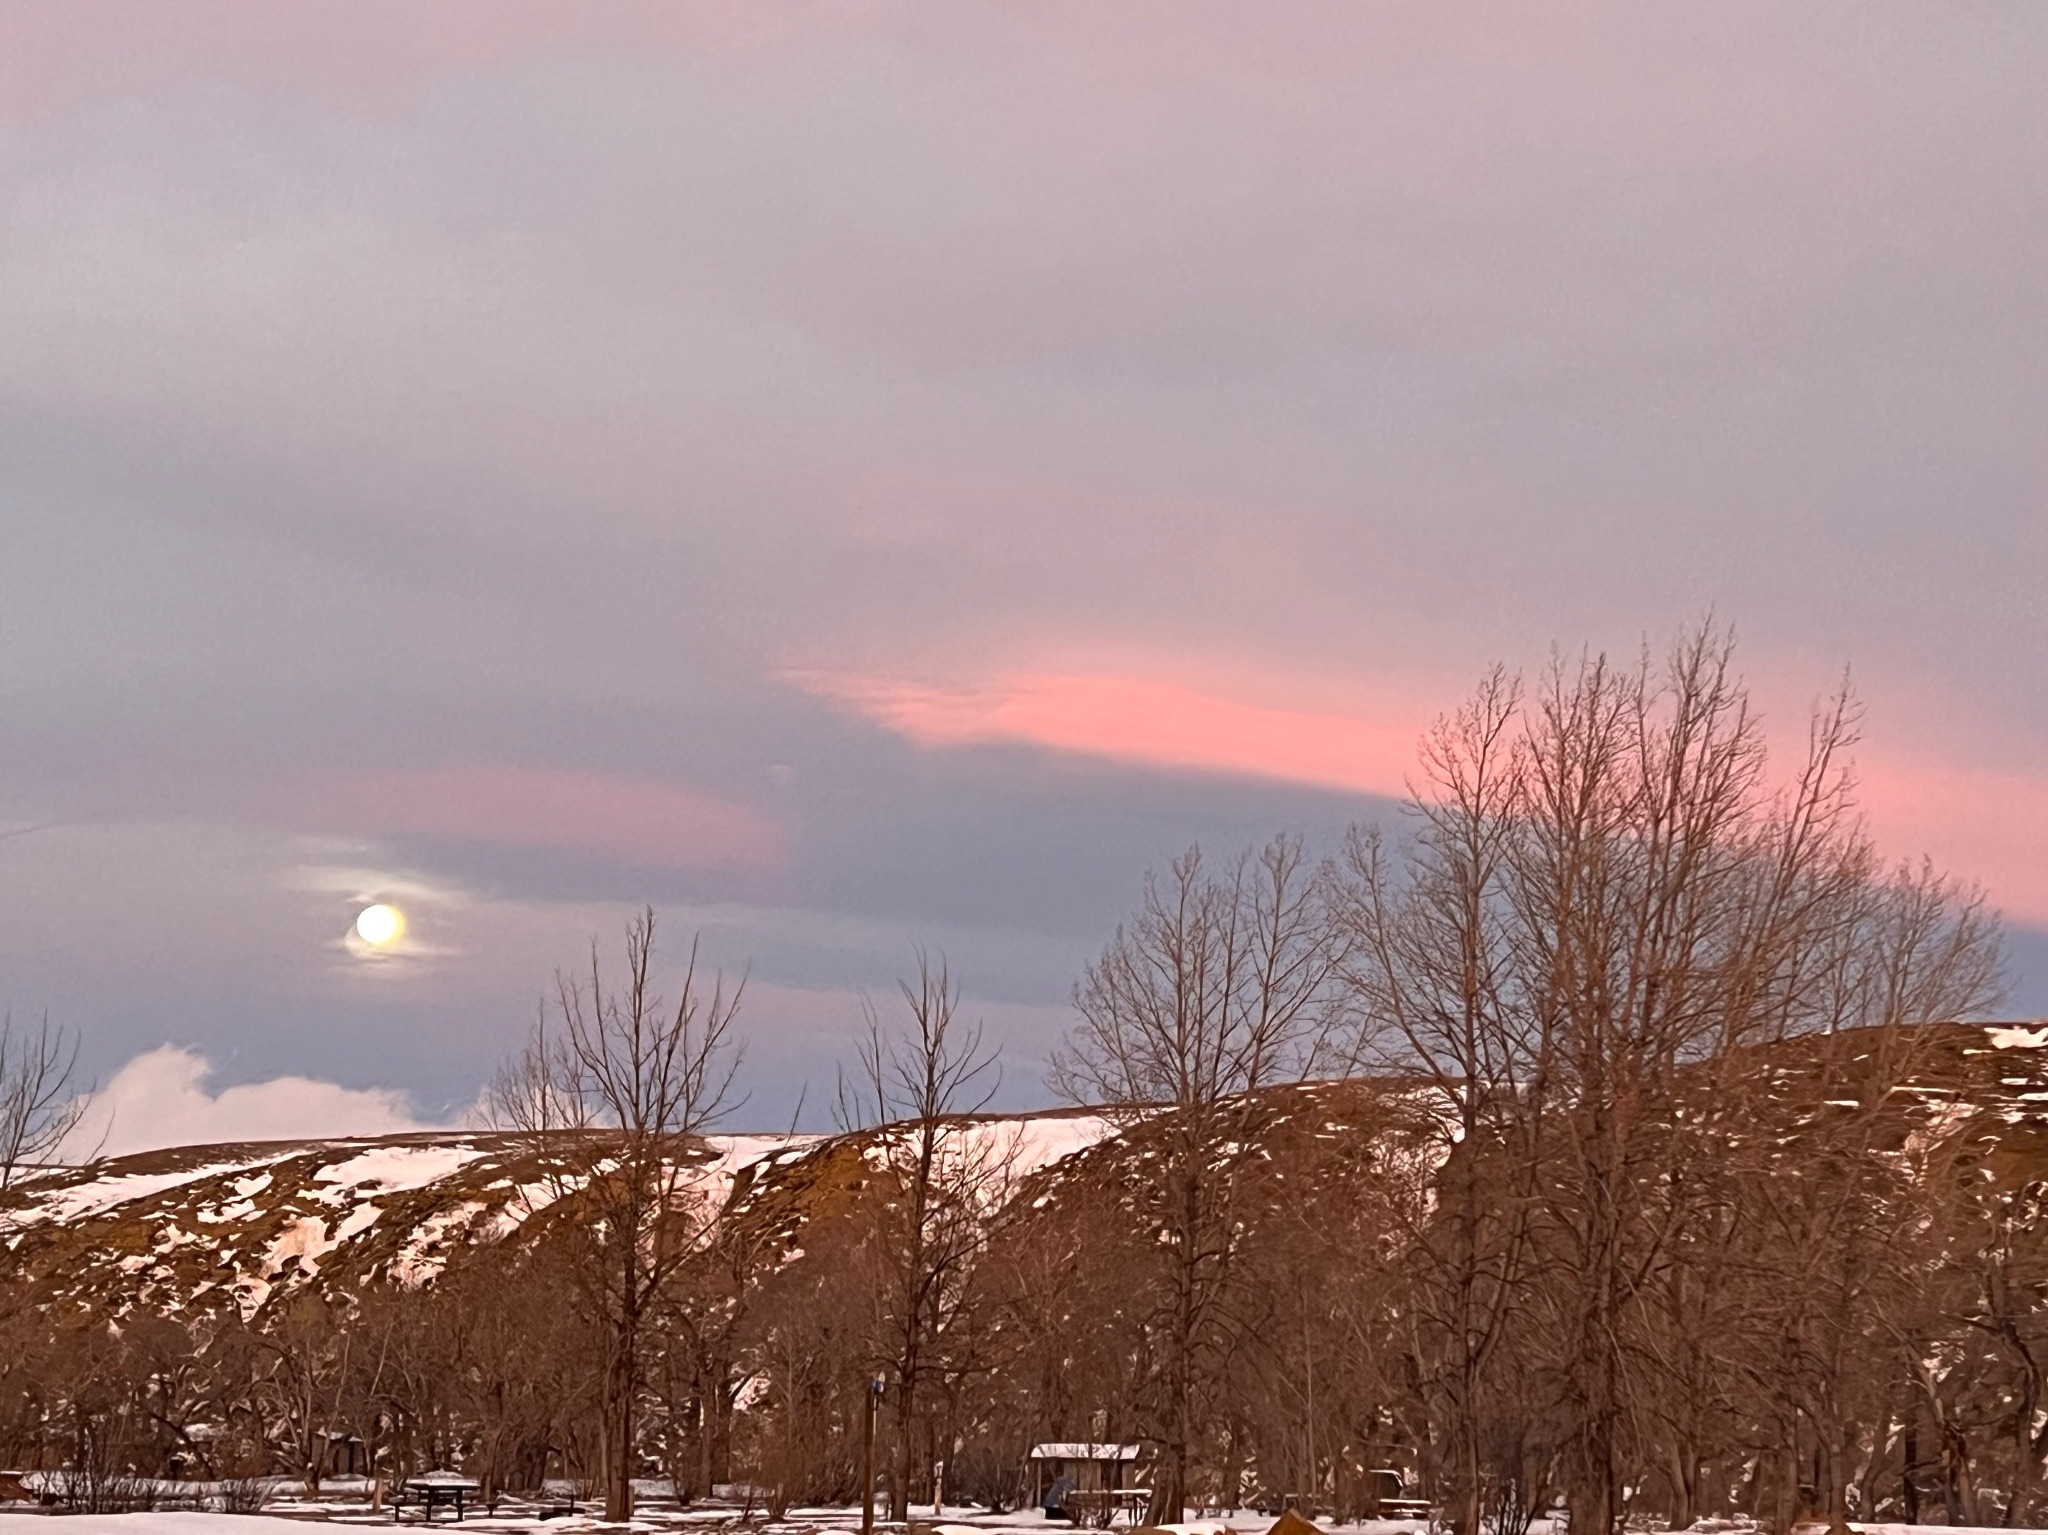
pixel 425 1253
pixel 100 1195
pixel 305 1239
pixel 394 1169
pixel 1042 1142
pixel 2018 1038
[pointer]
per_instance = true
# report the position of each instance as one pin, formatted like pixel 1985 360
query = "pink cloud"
pixel 1989 824
pixel 1146 720
pixel 638 820
pixel 1942 774
pixel 1985 820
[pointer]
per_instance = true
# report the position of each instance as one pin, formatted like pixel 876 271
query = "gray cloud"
pixel 528 390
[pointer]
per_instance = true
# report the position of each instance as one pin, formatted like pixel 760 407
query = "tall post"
pixel 867 1458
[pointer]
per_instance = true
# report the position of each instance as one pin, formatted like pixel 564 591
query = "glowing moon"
pixel 380 925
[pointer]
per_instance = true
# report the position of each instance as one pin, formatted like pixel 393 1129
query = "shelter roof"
pixel 1084 1452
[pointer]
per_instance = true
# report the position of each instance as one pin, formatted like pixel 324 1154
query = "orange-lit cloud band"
pixel 1142 720
pixel 1982 825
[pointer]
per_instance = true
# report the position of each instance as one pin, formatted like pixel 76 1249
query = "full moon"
pixel 380 925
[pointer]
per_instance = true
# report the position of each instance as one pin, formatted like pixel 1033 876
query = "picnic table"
pixel 437 1487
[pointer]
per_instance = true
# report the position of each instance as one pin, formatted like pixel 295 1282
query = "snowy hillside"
pixel 212 1226
pixel 217 1227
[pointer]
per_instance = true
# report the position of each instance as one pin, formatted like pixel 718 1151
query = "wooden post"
pixel 867 1458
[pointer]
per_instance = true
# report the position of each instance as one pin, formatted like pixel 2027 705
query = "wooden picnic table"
pixel 438 1487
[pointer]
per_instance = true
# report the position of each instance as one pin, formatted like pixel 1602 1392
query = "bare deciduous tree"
pixel 615 1099
pixel 1216 990
pixel 38 1108
pixel 1592 946
pixel 920 1090
pixel 1432 968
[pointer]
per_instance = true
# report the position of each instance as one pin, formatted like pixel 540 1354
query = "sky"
pixel 865 476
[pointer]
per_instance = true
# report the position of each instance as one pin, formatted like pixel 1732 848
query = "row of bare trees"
pixel 1852 1317
pixel 1593 1140
pixel 1608 908
pixel 1606 914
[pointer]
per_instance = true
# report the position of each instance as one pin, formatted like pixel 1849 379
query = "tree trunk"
pixel 1461 1508
pixel 2025 1467
pixel 1590 1492
pixel 721 1428
pixel 1785 1500
pixel 1959 1485
pixel 1909 1474
pixel 618 1492
pixel 1685 1485
pixel 899 1482
pixel 696 1463
pixel 1169 1486
pixel 1590 1502
pixel 1873 1464
pixel 1834 1479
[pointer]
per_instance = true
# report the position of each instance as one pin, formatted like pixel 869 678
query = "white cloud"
pixel 160 1098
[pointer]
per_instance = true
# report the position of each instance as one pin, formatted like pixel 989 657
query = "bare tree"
pixel 1594 947
pixel 921 1089
pixel 306 1343
pixel 615 1099
pixel 1432 969
pixel 1216 990
pixel 38 1108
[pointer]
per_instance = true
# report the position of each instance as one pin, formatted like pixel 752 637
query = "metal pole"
pixel 867 1459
